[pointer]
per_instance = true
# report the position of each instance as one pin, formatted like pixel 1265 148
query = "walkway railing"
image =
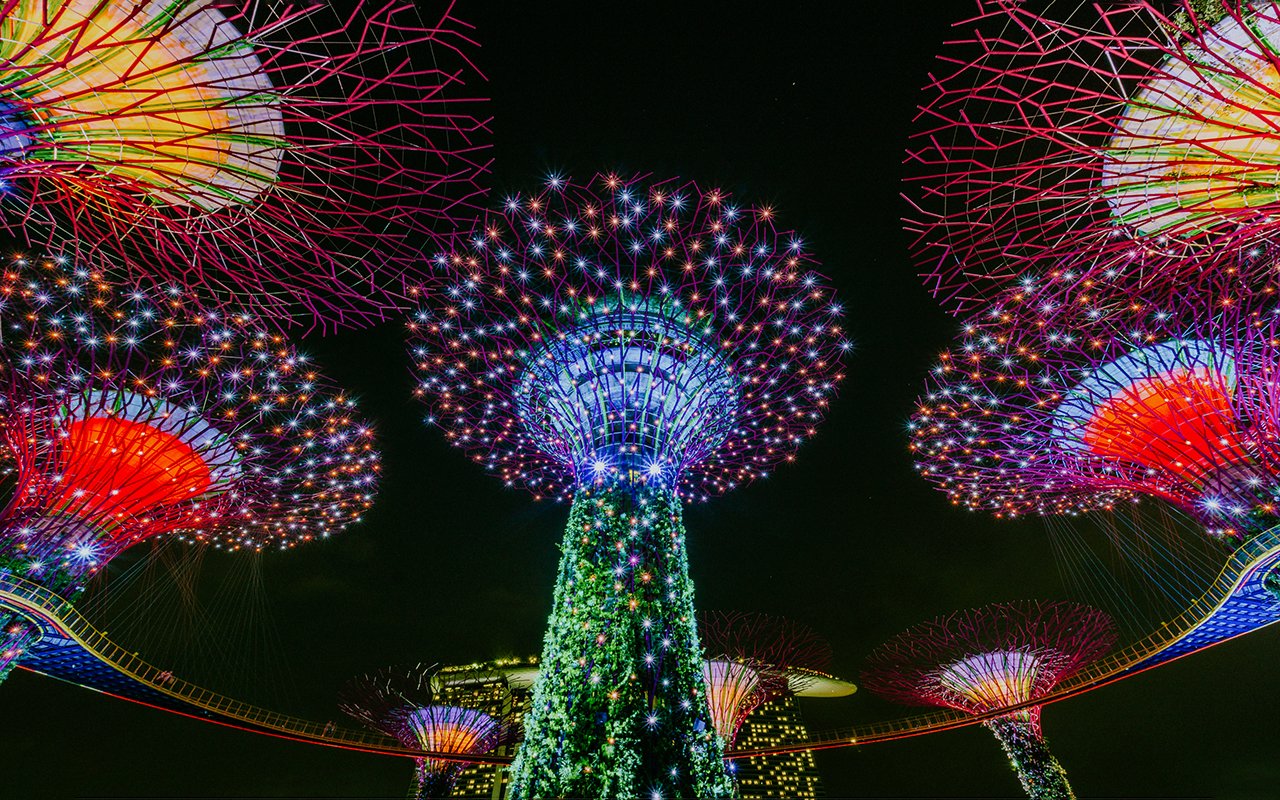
pixel 62 616
pixel 1264 547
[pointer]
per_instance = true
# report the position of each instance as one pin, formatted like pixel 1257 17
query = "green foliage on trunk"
pixel 619 707
pixel 1040 774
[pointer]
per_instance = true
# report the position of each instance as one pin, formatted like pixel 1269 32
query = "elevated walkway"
pixel 72 650
pixel 1237 603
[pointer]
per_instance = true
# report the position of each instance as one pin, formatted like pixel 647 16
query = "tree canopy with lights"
pixel 626 344
pixel 128 413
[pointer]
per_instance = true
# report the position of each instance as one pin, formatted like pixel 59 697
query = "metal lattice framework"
pixel 1129 139
pixel 129 413
pixel 412 705
pixel 1084 411
pixel 624 327
pixel 752 659
pixel 269 151
pixel 1004 655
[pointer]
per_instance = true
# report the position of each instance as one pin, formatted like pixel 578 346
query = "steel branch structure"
pixel 269 151
pixel 628 344
pixel 128 413
pixel 752 659
pixel 1133 139
pixel 1000 656
pixel 1083 411
pixel 410 705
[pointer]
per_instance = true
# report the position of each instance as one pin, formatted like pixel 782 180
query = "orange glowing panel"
pixel 1178 422
pixel 112 468
pixel 450 739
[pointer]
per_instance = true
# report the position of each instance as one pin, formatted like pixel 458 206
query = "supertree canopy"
pixel 268 150
pixel 628 345
pixel 411 705
pixel 1127 138
pixel 1090 410
pixel 128 413
pixel 752 659
pixel 995 657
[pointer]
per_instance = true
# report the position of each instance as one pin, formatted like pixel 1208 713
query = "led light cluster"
pixel 647 328
pixel 129 413
pixel 1085 412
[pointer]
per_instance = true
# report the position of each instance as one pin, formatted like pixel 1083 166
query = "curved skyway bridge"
pixel 72 650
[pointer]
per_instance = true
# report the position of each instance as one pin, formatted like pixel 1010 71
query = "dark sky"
pixel 806 106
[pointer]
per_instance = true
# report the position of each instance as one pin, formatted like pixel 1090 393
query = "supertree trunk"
pixel 1040 774
pixel 619 707
pixel 430 782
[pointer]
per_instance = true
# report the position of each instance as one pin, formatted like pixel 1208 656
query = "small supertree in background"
pixel 271 151
pixel 129 413
pixel 412 705
pixel 999 656
pixel 752 659
pixel 1096 408
pixel 1124 139
pixel 628 345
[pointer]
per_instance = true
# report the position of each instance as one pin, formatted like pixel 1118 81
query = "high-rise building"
pixel 487 781
pixel 788 775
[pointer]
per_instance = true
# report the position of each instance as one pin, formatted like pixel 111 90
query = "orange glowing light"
pixel 113 467
pixel 1180 422
pixel 445 738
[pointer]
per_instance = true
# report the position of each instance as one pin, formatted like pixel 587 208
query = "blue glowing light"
pixel 14 138
pixel 636 392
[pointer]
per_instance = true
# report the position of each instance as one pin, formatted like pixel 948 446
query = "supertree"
pixel 752 659
pixel 411 704
pixel 1130 140
pixel 268 150
pixel 128 413
pixel 1097 408
pixel 628 349
pixel 987 659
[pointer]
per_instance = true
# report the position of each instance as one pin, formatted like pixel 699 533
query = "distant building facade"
pixel 788 775
pixel 777 722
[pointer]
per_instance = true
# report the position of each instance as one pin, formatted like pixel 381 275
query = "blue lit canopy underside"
pixel 633 393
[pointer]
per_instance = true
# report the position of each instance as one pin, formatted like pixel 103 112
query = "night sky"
pixel 806 106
